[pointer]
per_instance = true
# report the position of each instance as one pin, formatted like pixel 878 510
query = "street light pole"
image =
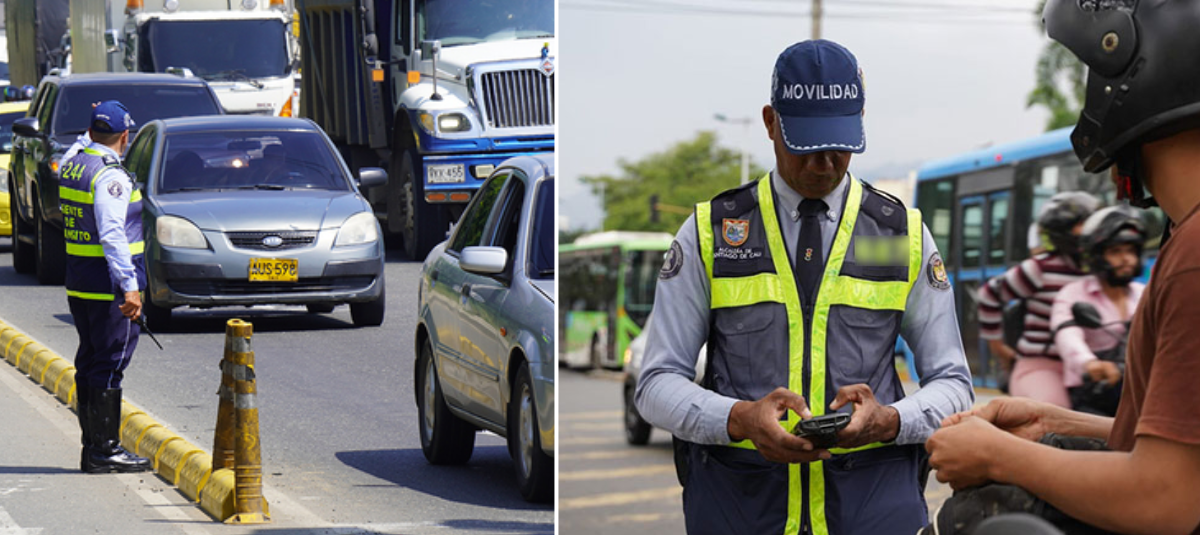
pixel 745 122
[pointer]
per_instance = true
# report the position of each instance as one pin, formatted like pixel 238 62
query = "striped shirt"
pixel 1036 280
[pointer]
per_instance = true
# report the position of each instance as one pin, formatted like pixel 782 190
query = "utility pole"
pixel 816 19
pixel 745 122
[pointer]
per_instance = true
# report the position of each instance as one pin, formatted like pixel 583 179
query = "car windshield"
pixel 216 49
pixel 6 135
pixel 460 22
pixel 269 161
pixel 146 102
pixel 543 247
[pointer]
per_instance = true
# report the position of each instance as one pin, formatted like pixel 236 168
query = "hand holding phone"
pixel 822 430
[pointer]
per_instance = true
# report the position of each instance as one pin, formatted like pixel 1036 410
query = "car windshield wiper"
pixel 191 188
pixel 237 74
pixel 273 187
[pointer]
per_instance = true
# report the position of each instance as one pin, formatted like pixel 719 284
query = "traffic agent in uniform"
pixel 800 283
pixel 102 220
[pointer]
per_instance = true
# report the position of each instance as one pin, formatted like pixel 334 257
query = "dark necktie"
pixel 810 261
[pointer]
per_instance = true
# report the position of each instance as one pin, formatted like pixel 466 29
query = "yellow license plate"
pixel 273 269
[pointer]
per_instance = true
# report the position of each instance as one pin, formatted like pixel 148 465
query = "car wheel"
pixel 637 430
pixel 424 226
pixel 445 439
pixel 535 469
pixel 369 314
pixel 157 318
pixel 22 253
pixel 321 308
pixel 51 252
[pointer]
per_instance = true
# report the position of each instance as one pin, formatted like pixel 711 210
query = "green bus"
pixel 605 294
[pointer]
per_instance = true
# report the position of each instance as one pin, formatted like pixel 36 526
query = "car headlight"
pixel 453 122
pixel 178 232
pixel 359 228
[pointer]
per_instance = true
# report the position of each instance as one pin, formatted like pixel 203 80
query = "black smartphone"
pixel 822 430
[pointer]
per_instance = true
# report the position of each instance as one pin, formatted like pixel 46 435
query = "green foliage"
pixel 1060 83
pixel 688 172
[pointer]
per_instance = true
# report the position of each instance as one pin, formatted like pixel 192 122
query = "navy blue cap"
pixel 111 117
pixel 818 94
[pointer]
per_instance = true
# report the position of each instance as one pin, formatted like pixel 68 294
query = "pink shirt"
pixel 1077 345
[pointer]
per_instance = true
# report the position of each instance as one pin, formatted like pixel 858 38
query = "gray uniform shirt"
pixel 668 398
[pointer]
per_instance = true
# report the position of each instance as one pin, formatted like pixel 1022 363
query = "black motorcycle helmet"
pixel 1107 227
pixel 1140 86
pixel 1059 217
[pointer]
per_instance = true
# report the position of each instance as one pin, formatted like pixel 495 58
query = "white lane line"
pixel 593 415
pixel 8 526
pixel 637 471
pixel 580 441
pixel 585 427
pixel 620 498
pixel 612 454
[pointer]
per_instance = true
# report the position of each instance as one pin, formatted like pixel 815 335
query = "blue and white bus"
pixel 979 206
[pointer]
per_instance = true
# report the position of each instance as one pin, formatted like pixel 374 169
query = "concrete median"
pixel 176 460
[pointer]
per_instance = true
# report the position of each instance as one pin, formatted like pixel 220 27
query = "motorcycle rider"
pixel 1112 240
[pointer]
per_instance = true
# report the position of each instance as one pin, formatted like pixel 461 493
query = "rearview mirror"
pixel 369 177
pixel 27 126
pixel 1086 315
pixel 483 260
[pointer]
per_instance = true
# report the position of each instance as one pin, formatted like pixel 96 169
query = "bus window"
pixel 936 201
pixel 998 230
pixel 972 235
pixel 640 278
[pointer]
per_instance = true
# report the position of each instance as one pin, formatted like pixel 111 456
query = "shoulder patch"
pixel 935 273
pixel 672 262
pixel 109 159
pixel 115 189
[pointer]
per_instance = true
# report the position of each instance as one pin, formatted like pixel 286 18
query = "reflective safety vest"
pixel 762 336
pixel 88 276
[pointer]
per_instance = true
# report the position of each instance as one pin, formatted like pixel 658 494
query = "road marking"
pixel 637 471
pixel 593 426
pixel 8 526
pixel 594 415
pixel 620 498
pixel 577 441
pixel 642 518
pixel 610 454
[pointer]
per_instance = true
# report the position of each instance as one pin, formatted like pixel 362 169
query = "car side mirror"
pixel 1086 315
pixel 369 177
pixel 112 41
pixel 483 260
pixel 27 126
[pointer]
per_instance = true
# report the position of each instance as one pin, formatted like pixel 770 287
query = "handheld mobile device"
pixel 822 430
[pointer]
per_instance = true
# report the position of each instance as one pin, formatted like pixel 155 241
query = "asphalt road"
pixel 607 486
pixel 337 413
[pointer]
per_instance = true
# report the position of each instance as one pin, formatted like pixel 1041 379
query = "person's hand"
pixel 758 421
pixel 870 422
pixel 963 453
pixel 1004 352
pixel 1103 371
pixel 132 307
pixel 1022 417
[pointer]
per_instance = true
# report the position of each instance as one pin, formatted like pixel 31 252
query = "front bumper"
pixel 219 276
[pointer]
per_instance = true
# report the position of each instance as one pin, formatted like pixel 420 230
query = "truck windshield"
pixel 464 22
pixel 146 102
pixel 215 49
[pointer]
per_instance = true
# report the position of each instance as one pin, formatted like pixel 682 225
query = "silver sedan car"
pixel 245 210
pixel 485 329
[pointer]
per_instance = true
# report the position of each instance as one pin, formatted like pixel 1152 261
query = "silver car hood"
pixel 232 211
pixel 546 286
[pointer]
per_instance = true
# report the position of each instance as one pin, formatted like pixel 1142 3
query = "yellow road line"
pixel 620 498
pixel 594 426
pixel 637 471
pixel 612 454
pixel 593 415
pixel 579 441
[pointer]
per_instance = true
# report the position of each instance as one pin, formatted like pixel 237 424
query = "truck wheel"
pixel 22 253
pixel 424 225
pixel 51 252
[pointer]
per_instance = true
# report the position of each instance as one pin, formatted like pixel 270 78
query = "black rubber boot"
pixel 81 410
pixel 104 454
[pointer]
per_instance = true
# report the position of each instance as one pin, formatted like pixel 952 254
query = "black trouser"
pixel 107 340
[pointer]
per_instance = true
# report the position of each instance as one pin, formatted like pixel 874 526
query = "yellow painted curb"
pixel 217 496
pixel 175 459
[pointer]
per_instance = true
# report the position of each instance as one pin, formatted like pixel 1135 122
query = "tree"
pixel 1060 83
pixel 684 174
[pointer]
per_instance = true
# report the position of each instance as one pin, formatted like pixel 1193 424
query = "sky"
pixel 637 76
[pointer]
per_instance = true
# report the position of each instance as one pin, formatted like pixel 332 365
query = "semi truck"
pixel 245 49
pixel 35 30
pixel 438 92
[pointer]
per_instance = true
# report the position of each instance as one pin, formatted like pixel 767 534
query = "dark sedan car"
pixel 247 210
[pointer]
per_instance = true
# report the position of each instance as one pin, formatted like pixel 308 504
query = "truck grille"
pixel 518 99
pixel 254 240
